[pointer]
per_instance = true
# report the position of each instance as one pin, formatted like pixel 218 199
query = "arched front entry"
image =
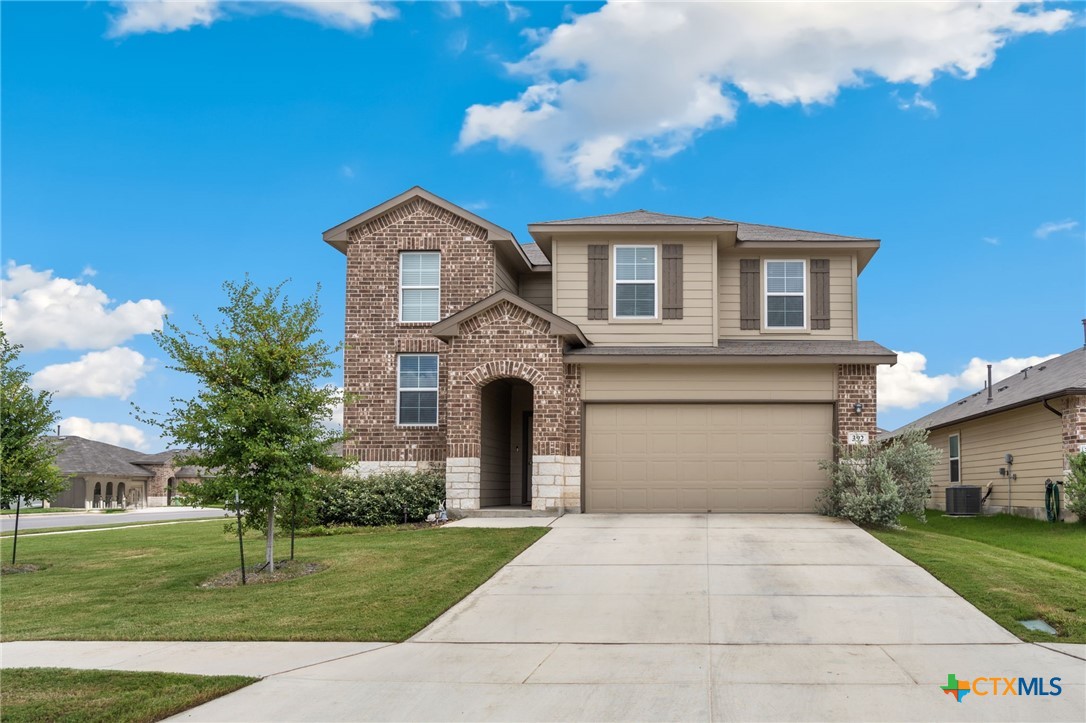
pixel 97 500
pixel 505 464
pixel 120 494
pixel 171 490
pixel 109 494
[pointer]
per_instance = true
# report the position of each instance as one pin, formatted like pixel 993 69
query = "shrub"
pixel 380 499
pixel 1074 486
pixel 872 485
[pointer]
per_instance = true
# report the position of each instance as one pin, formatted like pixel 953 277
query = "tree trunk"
pixel 269 550
pixel 15 541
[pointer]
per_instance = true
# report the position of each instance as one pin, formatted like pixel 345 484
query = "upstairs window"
pixel 417 390
pixel 785 294
pixel 420 286
pixel 955 459
pixel 635 282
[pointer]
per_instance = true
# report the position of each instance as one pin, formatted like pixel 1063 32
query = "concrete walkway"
pixel 677 617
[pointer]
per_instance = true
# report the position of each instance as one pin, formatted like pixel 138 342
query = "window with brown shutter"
pixel 673 281
pixel 597 281
pixel 820 293
pixel 749 295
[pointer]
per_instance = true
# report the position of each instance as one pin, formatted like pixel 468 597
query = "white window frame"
pixel 436 388
pixel 951 459
pixel 406 288
pixel 655 282
pixel 766 294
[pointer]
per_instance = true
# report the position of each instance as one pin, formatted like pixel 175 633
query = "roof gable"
pixel 450 327
pixel 78 456
pixel 338 235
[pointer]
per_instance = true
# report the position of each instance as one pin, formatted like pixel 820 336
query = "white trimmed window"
pixel 635 282
pixel 785 294
pixel 416 390
pixel 420 286
pixel 955 443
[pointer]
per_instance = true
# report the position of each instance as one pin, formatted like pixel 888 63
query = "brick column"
pixel 1074 425
pixel 856 385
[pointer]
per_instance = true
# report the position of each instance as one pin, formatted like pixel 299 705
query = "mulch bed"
pixel 256 574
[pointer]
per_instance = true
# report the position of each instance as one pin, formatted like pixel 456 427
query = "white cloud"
pixel 110 373
pixel 907 384
pixel 516 12
pixel 990 240
pixel 458 42
pixel 167 16
pixel 122 435
pixel 88 272
pixel 448 9
pixel 162 16
pixel 611 89
pixel 918 101
pixel 1050 227
pixel 46 312
pixel 346 171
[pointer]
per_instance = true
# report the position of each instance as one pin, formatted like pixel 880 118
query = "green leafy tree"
pixel 1075 485
pixel 28 468
pixel 257 421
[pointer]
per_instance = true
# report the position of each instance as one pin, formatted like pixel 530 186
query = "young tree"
pixel 28 468
pixel 256 421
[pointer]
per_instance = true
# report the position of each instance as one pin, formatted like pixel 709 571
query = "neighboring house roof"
pixel 79 456
pixel 450 327
pixel 1053 378
pixel 743 351
pixel 337 235
pixel 639 217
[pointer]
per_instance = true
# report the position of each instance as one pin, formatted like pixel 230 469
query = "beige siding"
pixel 536 288
pixel 505 278
pixel 708 383
pixel 842 281
pixel 1032 434
pixel 705 457
pixel 694 329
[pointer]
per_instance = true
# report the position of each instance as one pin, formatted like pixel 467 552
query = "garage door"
pixel 705 457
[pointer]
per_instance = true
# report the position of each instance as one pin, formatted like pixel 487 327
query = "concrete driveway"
pixel 685 617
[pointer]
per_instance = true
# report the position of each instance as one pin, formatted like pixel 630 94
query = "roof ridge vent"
pixel 1002 388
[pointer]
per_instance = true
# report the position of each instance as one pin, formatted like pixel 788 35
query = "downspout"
pixel 1049 407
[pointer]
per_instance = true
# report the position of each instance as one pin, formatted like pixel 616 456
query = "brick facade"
pixel 1074 424
pixel 856 384
pixel 505 341
pixel 374 335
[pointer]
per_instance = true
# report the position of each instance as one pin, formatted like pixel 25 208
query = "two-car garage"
pixel 706 457
pixel 689 452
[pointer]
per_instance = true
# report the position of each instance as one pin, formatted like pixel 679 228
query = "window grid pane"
pixel 418 389
pixel 635 263
pixel 420 279
pixel 635 300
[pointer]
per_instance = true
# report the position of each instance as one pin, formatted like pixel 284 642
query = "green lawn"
pixel 1011 568
pixel 143 584
pixel 37 695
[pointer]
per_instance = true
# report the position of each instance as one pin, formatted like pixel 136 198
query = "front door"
pixel 526 459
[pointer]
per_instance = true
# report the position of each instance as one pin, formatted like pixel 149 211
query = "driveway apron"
pixel 685 617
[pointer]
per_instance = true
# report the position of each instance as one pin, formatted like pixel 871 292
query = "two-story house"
pixel 633 362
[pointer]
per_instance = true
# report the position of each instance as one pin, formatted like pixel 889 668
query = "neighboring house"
pixel 107 476
pixel 1037 416
pixel 634 362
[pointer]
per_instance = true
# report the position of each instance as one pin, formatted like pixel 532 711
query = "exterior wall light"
pixel 858 408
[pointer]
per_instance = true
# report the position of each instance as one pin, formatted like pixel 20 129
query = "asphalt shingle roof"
pixel 1062 374
pixel 535 254
pixel 85 456
pixel 743 347
pixel 761 232
pixel 638 217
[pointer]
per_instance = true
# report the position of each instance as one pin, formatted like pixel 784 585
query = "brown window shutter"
pixel 750 306
pixel 672 293
pixel 597 281
pixel 820 293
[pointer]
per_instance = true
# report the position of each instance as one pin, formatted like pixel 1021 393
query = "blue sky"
pixel 152 151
